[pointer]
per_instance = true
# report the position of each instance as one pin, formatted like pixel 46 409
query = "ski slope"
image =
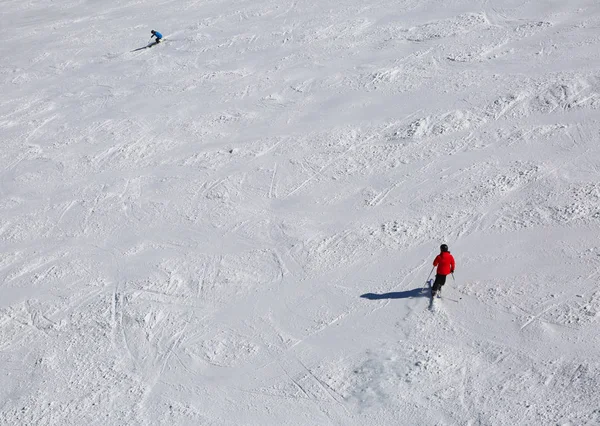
pixel 233 227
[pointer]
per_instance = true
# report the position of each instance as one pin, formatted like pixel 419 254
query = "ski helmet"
pixel 444 247
pixel 152 31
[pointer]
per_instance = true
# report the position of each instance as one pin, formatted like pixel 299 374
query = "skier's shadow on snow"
pixel 145 47
pixel 410 294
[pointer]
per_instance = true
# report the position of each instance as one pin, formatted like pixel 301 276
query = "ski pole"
pixel 429 276
pixel 454 281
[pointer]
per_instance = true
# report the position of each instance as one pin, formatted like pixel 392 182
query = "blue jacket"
pixel 157 35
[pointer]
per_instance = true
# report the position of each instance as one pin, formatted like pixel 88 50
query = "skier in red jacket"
pixel 445 265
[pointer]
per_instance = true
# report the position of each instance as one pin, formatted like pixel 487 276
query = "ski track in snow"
pixel 235 226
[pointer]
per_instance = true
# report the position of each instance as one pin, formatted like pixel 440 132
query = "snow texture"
pixel 234 227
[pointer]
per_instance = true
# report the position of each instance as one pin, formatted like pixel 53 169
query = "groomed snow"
pixel 233 227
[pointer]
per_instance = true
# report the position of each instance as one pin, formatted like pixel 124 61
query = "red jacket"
pixel 445 263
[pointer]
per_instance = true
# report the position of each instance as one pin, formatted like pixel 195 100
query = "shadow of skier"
pixel 145 47
pixel 409 294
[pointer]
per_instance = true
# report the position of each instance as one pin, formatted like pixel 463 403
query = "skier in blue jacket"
pixel 156 34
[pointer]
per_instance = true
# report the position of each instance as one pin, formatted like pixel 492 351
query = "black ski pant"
pixel 440 280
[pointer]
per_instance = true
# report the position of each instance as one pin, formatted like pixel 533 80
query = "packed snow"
pixel 237 225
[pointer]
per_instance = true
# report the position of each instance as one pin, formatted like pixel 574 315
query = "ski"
pixel 431 294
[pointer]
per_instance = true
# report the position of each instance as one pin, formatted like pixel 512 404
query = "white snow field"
pixel 234 227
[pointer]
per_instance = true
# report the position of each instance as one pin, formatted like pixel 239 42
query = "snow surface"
pixel 234 227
